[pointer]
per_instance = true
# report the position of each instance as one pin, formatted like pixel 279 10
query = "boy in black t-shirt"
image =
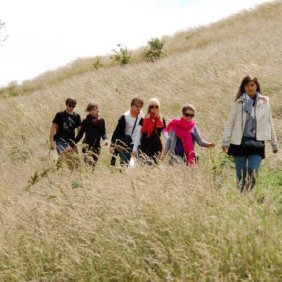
pixel 62 131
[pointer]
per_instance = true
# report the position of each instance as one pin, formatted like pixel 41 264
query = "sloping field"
pixel 147 224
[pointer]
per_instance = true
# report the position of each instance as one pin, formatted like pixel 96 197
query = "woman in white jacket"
pixel 248 127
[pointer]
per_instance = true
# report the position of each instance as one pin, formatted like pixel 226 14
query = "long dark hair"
pixel 245 81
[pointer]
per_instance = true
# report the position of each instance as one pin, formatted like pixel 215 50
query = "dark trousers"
pixel 91 155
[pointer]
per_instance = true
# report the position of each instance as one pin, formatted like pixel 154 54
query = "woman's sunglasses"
pixel 154 107
pixel 188 115
pixel 71 106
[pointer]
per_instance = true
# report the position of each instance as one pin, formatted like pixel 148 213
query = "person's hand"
pixel 225 149
pixel 106 142
pixel 211 145
pixel 275 151
pixel 134 154
pixel 112 150
pixel 52 145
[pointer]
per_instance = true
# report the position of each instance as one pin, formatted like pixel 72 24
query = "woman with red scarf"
pixel 148 140
pixel 182 135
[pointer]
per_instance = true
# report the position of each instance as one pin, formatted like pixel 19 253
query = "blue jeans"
pixel 247 167
pixel 124 157
pixel 62 145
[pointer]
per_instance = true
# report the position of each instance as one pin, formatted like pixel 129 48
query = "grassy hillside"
pixel 159 224
pixel 180 42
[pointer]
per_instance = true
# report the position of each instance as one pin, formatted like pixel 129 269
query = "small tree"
pixel 122 56
pixel 155 52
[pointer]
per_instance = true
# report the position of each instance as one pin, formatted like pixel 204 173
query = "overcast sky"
pixel 46 34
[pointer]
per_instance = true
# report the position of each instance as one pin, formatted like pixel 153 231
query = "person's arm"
pixel 274 143
pixel 120 129
pixel 53 131
pixel 168 143
pixel 78 123
pixel 137 139
pixel 229 126
pixel 165 133
pixel 200 140
pixel 103 132
pixel 81 132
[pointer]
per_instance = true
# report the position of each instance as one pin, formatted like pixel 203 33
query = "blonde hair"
pixel 153 102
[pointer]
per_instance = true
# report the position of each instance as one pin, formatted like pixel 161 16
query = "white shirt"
pixel 129 123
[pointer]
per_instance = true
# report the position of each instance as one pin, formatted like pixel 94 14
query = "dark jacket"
pixel 152 145
pixel 119 131
pixel 94 129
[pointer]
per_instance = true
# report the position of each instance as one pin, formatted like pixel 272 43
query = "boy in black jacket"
pixel 126 132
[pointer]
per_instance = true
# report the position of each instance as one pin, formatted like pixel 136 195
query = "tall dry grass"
pixel 151 224
pixel 166 223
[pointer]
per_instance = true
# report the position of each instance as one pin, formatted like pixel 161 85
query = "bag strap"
pixel 134 125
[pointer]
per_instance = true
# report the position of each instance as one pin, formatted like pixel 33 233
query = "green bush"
pixel 155 52
pixel 122 56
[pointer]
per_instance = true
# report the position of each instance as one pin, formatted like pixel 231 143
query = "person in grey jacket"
pixel 248 127
pixel 182 129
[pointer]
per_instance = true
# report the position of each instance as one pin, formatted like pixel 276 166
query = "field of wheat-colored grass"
pixel 150 223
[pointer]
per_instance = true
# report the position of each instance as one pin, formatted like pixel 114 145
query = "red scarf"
pixel 182 128
pixel 150 124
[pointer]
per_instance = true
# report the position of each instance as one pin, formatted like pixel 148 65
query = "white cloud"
pixel 46 34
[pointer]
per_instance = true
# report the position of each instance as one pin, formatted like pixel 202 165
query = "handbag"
pixel 250 143
pixel 124 142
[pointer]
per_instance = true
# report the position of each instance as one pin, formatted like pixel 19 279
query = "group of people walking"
pixel 138 134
